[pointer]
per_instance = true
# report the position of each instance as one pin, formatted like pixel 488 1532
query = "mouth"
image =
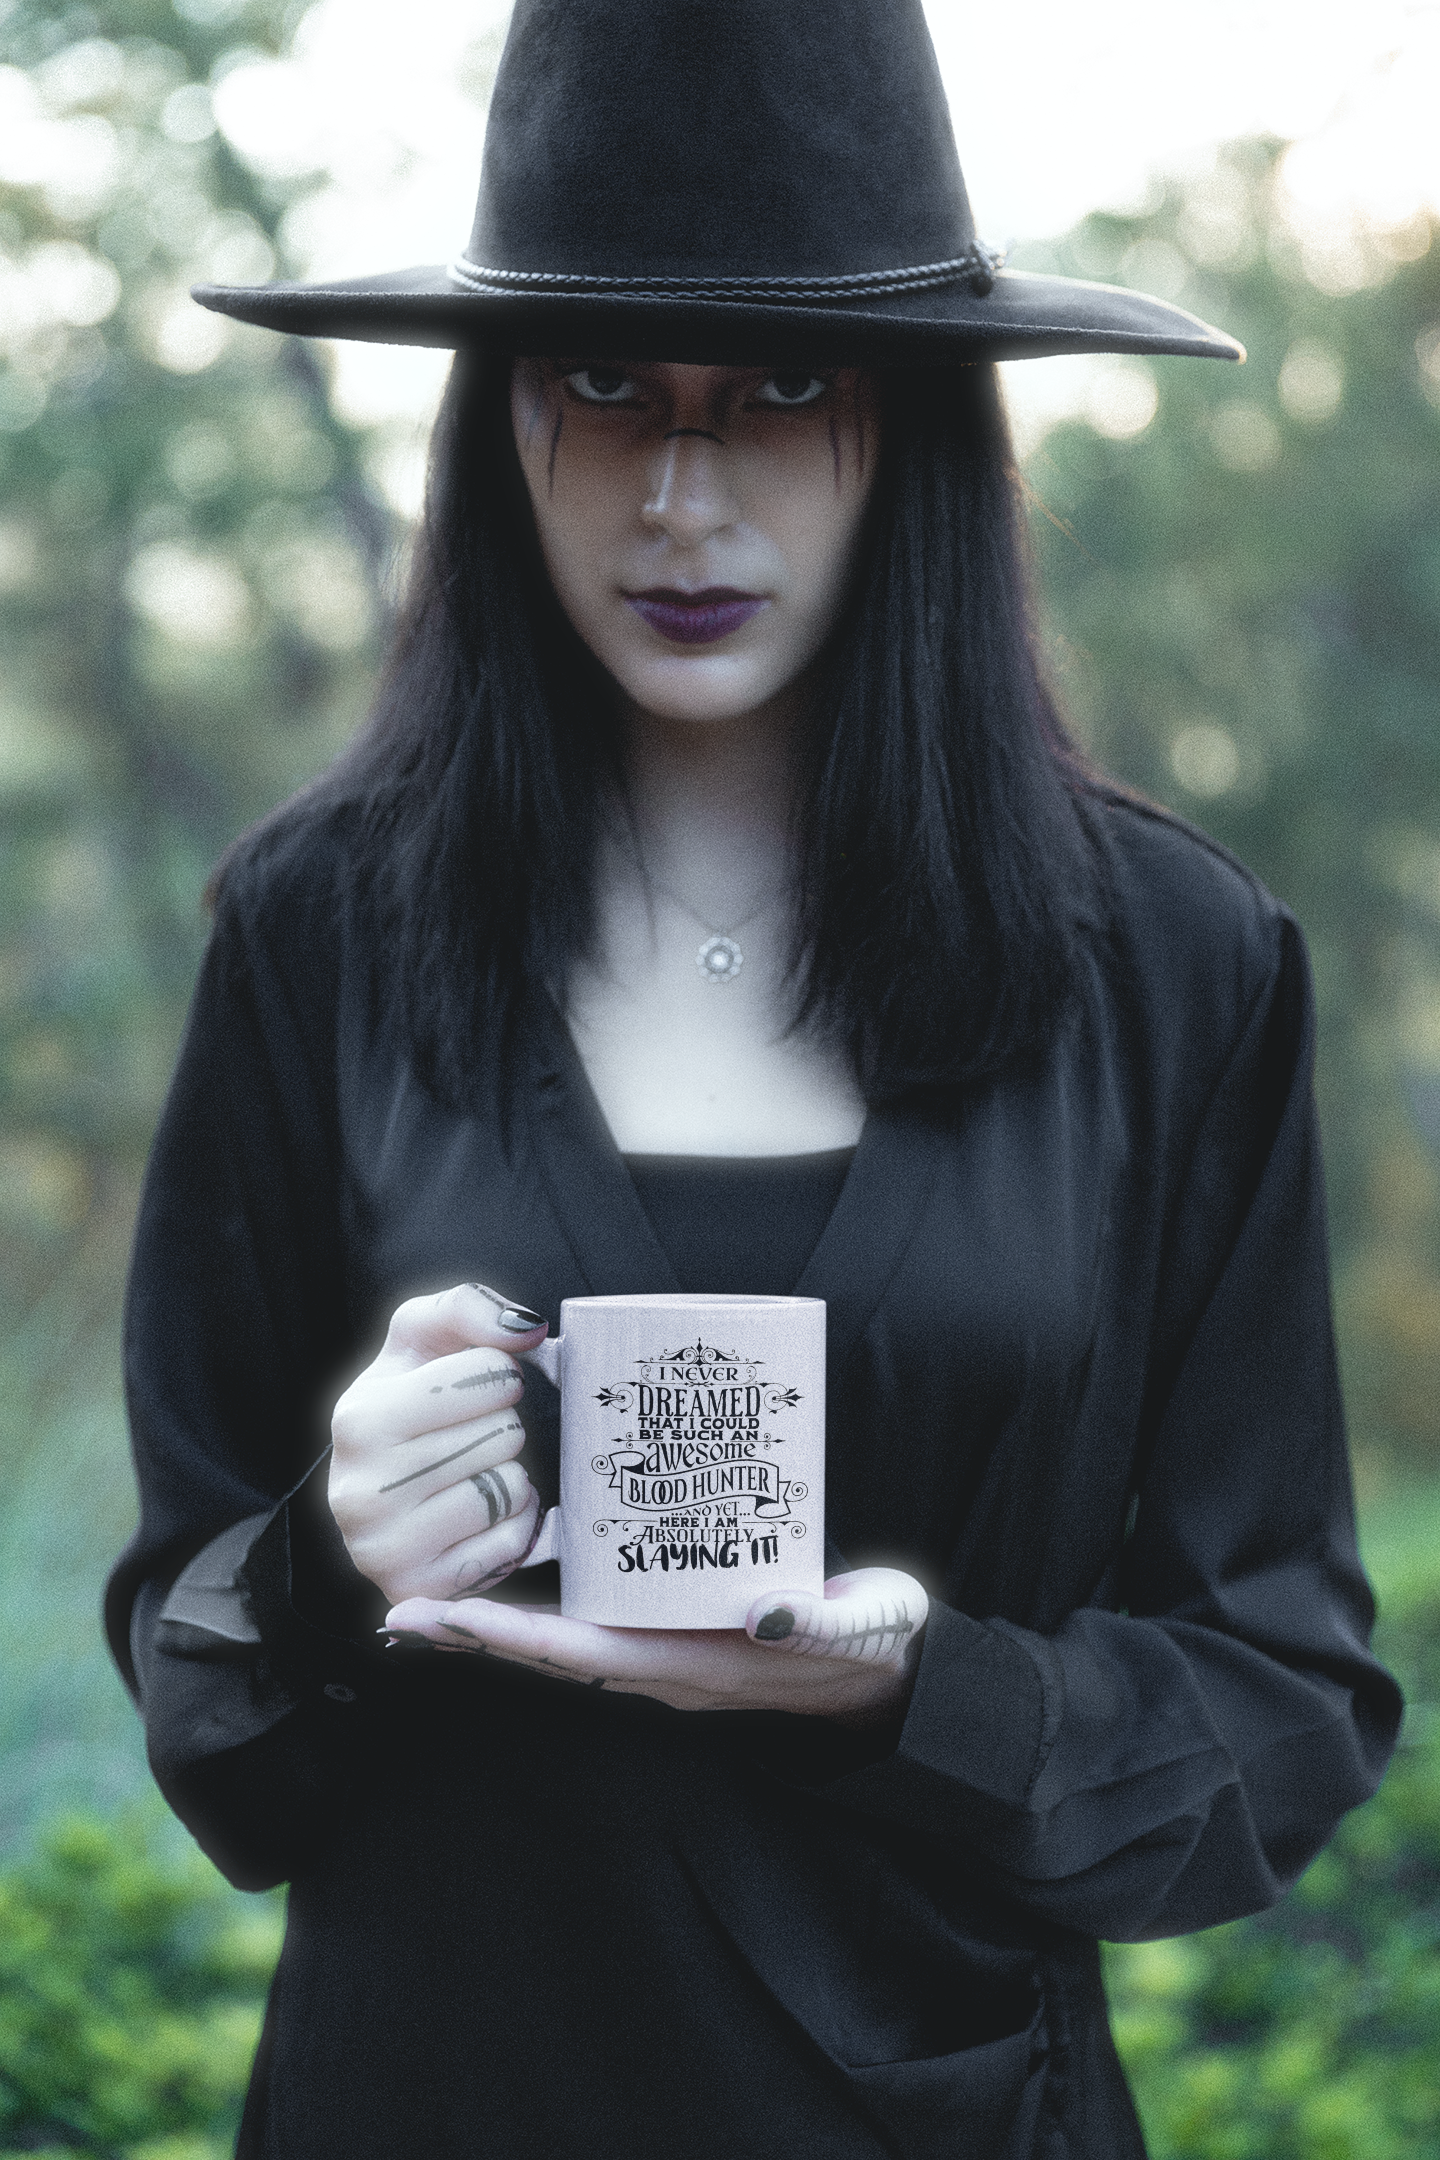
pixel 698 618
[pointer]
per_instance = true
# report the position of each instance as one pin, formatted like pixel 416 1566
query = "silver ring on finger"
pixel 494 1491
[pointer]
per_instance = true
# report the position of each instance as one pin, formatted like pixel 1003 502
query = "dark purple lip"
pixel 697 618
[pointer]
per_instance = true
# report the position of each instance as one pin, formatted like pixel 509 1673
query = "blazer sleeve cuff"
pixel 981 1717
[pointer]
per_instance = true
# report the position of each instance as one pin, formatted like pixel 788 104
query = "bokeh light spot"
pixel 188 115
pixel 1153 266
pixel 1427 352
pixel 1122 399
pixel 1244 437
pixel 44 1185
pixel 22 400
pixel 1311 382
pixel 19 556
pixel 185 338
pixel 200 461
pixel 193 598
pixel 1205 760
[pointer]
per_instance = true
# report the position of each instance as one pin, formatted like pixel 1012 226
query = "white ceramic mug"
pixel 692 1456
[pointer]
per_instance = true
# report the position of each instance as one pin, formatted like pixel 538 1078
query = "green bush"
pixel 1313 2032
pixel 132 1984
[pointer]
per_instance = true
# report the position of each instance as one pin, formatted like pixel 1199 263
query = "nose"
pixel 691 496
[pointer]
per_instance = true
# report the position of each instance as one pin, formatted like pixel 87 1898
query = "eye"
pixel 602 386
pixel 791 389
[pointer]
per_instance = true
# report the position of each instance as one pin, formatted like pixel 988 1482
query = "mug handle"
pixel 547 1542
pixel 545 1357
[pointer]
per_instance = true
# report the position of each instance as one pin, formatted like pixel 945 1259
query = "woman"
pixel 716 652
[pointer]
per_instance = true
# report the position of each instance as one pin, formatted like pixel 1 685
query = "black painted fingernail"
pixel 517 1318
pixel 776 1625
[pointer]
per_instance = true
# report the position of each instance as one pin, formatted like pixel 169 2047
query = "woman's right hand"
pixel 424 1478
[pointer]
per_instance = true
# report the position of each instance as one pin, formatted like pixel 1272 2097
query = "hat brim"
pixel 1023 317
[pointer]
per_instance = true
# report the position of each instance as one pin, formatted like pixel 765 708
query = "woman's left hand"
pixel 847 1655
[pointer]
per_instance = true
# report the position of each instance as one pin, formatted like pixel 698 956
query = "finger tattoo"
pixel 486 1582
pixel 821 1632
pixel 495 1492
pixel 531 1660
pixel 492 1376
pixel 511 1425
pixel 875 1639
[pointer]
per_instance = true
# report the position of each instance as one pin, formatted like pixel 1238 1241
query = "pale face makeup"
pixel 699 524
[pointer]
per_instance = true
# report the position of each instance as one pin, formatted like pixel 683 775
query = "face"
pixel 699 524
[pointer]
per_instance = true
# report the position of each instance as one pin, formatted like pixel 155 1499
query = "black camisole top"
pixel 739 1224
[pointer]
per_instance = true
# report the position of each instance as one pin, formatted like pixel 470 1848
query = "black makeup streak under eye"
pixel 555 439
pixel 857 407
pixel 835 450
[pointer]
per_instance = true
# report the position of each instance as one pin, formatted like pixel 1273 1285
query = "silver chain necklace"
pixel 719 959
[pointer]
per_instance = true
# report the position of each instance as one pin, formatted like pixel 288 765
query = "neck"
pixel 713 799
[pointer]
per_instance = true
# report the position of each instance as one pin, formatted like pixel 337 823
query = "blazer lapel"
pixel 589 1187
pixel 875 1220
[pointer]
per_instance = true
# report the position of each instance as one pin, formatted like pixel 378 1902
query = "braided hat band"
pixel 976 268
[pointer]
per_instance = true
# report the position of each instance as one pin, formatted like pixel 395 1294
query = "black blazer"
pixel 1082 1382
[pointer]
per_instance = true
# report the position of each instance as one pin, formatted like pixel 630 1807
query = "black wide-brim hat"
pixel 725 180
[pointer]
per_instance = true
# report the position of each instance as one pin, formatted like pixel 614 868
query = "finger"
pixel 404 1404
pixel 869 1616
pixel 367 1491
pixel 505 1632
pixel 459 1450
pixel 478 1563
pixel 468 1315
pixel 501 1492
pixel 626 1659
pixel 466 1510
pixel 467 1568
pixel 691 1669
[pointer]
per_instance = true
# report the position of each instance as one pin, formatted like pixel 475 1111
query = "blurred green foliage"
pixel 132 1981
pixel 1313 2033
pixel 191 571
pixel 132 1986
pixel 1244 605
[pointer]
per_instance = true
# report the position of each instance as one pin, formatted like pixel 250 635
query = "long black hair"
pixel 940 828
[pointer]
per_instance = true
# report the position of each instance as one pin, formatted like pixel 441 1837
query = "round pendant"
pixel 720 959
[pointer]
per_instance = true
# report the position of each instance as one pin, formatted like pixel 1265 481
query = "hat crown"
pixel 726 181
pixel 698 139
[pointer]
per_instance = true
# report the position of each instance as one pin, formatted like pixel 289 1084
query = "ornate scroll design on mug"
pixel 695 1481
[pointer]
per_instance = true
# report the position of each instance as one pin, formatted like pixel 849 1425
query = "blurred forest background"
pixel 197 555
